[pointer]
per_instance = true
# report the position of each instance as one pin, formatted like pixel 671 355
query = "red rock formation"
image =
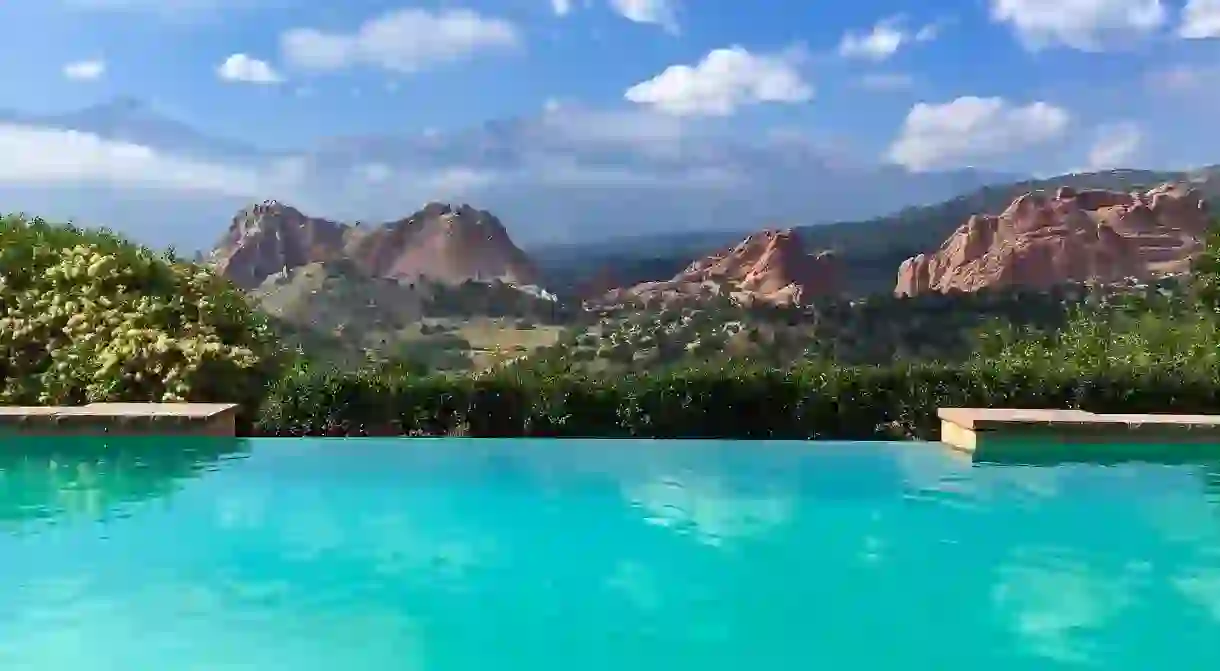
pixel 265 239
pixel 1041 241
pixel 439 242
pixel 444 243
pixel 767 267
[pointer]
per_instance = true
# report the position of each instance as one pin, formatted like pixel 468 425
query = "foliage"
pixel 1143 348
pixel 1205 273
pixel 812 401
pixel 1170 327
pixel 88 316
pixel 872 331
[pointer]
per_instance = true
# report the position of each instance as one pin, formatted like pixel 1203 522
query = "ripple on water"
pixel 712 557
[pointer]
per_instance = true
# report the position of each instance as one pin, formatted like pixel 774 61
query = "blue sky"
pixel 560 115
pixel 449 64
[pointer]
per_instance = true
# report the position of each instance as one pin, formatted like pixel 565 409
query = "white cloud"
pixel 723 81
pixel 884 39
pixel 561 7
pixel 1085 25
pixel 643 132
pixel 85 70
pixel 1116 146
pixel 663 13
pixel 927 33
pixel 1048 606
pixel 1200 20
pixel 53 156
pixel 971 129
pixel 376 173
pixel 243 68
pixel 405 40
pixel 708 509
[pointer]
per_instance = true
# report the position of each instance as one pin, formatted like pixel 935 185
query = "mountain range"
pixel 869 250
pixel 566 176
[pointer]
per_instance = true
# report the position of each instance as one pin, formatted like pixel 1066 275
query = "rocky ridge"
pixel 769 267
pixel 1040 241
pixel 440 243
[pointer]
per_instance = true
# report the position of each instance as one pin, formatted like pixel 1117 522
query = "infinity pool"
pixel 450 555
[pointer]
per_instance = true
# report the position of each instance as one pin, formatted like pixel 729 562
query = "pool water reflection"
pixel 476 554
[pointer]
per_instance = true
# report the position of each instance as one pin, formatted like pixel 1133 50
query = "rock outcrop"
pixel 441 243
pixel 270 238
pixel 767 267
pixel 1075 236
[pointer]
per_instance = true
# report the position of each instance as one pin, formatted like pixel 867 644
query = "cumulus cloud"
pixel 1200 20
pixel 968 129
pixel 243 68
pixel 1084 25
pixel 54 156
pixel 884 39
pixel 406 40
pixel 448 181
pixel 576 126
pixel 561 7
pixel 723 81
pixel 85 70
pixel 663 13
pixel 565 138
pixel 1116 146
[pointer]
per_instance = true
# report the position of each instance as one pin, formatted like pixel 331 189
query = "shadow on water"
pixel 1053 453
pixel 51 478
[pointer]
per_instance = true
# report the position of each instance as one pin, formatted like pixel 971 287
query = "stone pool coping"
pixel 119 419
pixel 973 429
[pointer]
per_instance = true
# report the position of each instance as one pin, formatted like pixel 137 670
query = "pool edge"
pixel 217 420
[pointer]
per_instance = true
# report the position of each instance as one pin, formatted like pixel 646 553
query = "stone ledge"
pixel 1006 429
pixel 110 419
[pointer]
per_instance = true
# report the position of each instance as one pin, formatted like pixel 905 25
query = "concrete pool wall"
pixel 987 432
pixel 121 419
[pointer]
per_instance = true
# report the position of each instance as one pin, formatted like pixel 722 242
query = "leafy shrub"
pixel 88 316
pixel 808 402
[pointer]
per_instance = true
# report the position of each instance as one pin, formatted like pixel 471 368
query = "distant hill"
pixel 336 298
pixel 870 250
pixel 769 267
pixel 335 312
pixel 439 243
pixel 1050 238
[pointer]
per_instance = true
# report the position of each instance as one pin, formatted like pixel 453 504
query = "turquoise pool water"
pixel 456 555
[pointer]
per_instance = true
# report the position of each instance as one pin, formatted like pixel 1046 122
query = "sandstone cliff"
pixel 1075 236
pixel 768 267
pixel 441 243
pixel 270 238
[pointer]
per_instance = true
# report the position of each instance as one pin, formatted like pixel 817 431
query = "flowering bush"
pixel 87 316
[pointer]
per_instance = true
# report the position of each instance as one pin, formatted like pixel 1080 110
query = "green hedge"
pixel 845 403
